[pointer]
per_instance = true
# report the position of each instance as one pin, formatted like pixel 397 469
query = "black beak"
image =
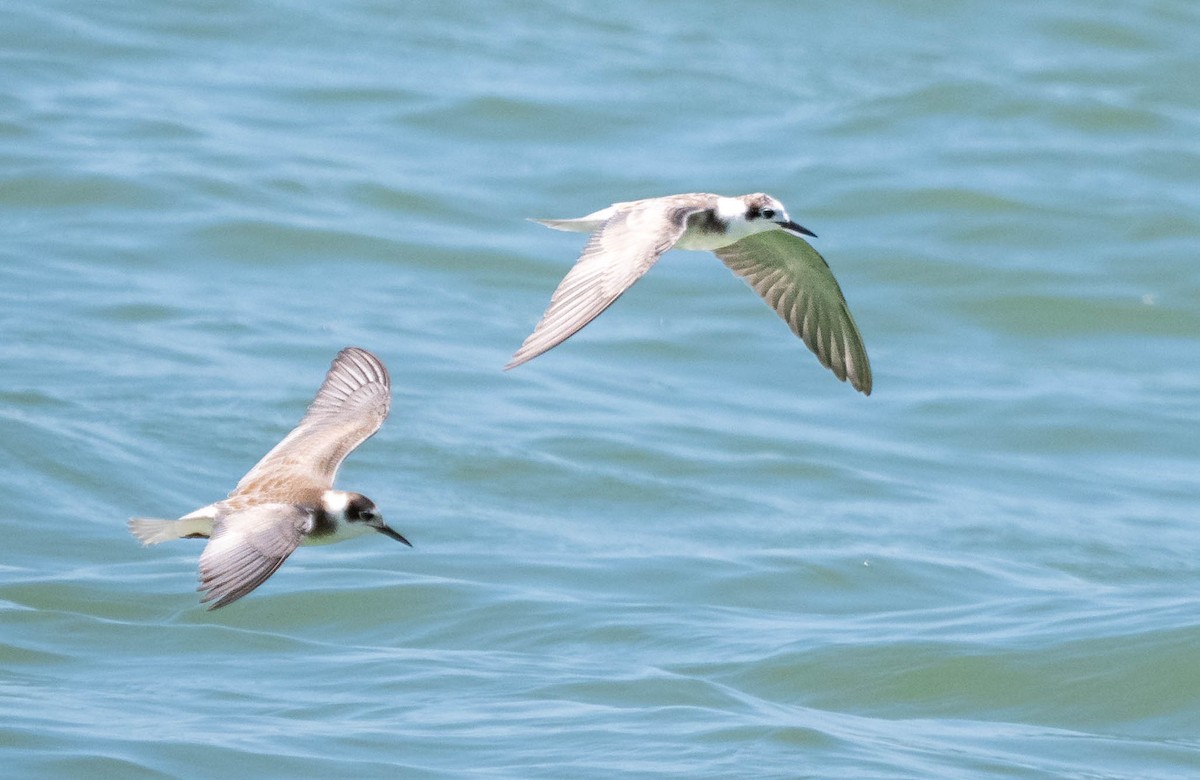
pixel 386 531
pixel 792 227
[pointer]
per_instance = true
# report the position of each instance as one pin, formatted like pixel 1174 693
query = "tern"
pixel 752 234
pixel 288 499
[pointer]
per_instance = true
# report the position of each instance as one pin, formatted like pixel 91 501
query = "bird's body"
pixel 287 499
pixel 752 234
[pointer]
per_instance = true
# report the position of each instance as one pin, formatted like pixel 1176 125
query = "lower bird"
pixel 288 499
pixel 752 234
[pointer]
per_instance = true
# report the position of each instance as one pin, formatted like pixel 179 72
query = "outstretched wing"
pixel 618 253
pixel 349 407
pixel 247 547
pixel 796 282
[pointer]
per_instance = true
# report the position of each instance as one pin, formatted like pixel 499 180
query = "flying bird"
pixel 288 499
pixel 752 234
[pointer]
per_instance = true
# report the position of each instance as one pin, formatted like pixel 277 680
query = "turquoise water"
pixel 674 546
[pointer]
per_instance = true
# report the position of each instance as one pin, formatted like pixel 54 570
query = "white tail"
pixel 151 530
pixel 582 225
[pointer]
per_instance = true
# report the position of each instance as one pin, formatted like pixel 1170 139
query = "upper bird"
pixel 752 234
pixel 288 499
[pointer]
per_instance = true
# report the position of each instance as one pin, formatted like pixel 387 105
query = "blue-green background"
pixel 675 546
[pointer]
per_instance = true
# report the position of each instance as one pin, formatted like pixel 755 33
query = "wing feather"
pixel 349 408
pixel 618 253
pixel 247 547
pixel 797 283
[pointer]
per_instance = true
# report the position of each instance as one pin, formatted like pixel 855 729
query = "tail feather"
pixel 151 530
pixel 580 225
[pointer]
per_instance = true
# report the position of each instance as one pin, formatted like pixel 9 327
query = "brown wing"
pixel 619 253
pixel 796 282
pixel 246 548
pixel 348 409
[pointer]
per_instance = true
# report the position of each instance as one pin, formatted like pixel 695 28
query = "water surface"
pixel 674 546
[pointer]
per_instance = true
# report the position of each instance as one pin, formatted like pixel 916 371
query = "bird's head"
pixel 764 212
pixel 356 510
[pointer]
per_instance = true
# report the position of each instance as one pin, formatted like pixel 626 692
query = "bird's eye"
pixel 768 213
pixel 367 516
